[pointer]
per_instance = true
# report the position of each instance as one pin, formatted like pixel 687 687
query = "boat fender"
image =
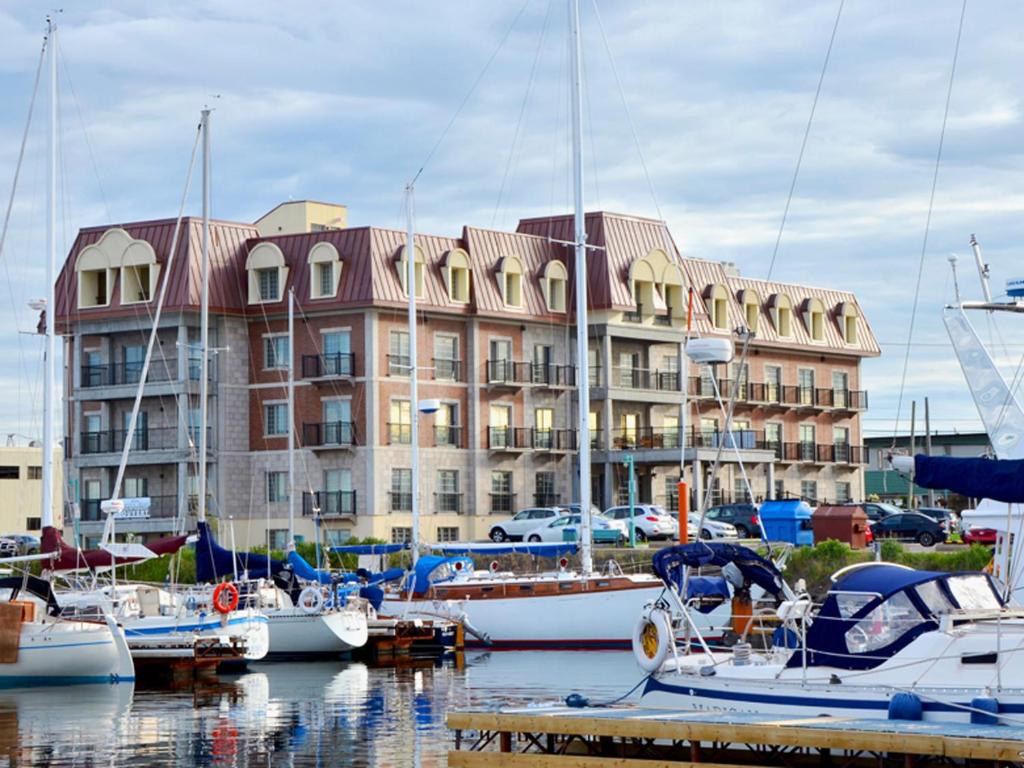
pixel 494 566
pixel 652 639
pixel 311 600
pixel 225 606
pixel 905 706
pixel 989 709
pixel 577 701
pixel 190 603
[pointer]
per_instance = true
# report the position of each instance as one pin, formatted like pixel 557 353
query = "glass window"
pixel 401 535
pixel 809 491
pixel 973 593
pixel 448 495
pixel 884 625
pixel 931 595
pixel 277 486
pixel 325 278
pixel 275 419
pixel 401 490
pixel 842 492
pixel 399 361
pixel 851 602
pixel 275 351
pixel 268 284
pixel 135 487
pixel 447 533
pixel 400 424
pixel 446 356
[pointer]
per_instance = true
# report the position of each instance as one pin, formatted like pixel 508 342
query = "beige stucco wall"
pixel 301 216
pixel 22 498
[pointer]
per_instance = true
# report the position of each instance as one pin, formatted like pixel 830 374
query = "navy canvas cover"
pixel 369 549
pixel 713 588
pixel 556 549
pixel 996 479
pixel 669 563
pixel 213 562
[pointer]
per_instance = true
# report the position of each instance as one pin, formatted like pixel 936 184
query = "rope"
pixel 927 224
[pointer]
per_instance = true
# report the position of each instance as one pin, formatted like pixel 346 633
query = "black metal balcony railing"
pixel 807 451
pixel 399 433
pixel 448 436
pixel 329 503
pixel 447 370
pixel 509 438
pixel 448 501
pixel 594 375
pixel 112 374
pixel 546 499
pixel 401 501
pixel 341 433
pixel 841 453
pixel 336 365
pixel 799 396
pixel 502 503
pixel 152 439
pixel 159 507
pixel 642 378
pixel 663 320
pixel 509 372
pixel 399 365
pixel 551 375
pixel 668 438
pixel 554 439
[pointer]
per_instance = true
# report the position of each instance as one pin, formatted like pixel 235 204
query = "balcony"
pixel 400 501
pixel 787 396
pixel 399 365
pixel 668 438
pixel 554 440
pixel 329 504
pixel 509 373
pixel 509 439
pixel 448 501
pixel 114 374
pixel 841 453
pixel 554 376
pixel 447 436
pixel 340 365
pixel 643 378
pixel 503 503
pixel 399 433
pixel 329 434
pixel 112 440
pixel 159 507
pixel 447 370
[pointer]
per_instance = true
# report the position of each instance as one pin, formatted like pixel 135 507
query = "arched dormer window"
pixel 814 319
pixel 267 274
pixel 324 271
pixel 751 304
pixel 554 282
pixel 403 271
pixel 97 266
pixel 456 275
pixel 718 305
pixel 672 289
pixel 139 272
pixel 781 310
pixel 510 281
pixel 643 283
pixel 846 319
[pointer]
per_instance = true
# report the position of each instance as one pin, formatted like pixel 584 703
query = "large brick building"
pixel 495 346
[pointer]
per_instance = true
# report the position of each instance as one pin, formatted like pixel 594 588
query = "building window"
pixel 751 308
pixel 807 442
pixel 773 438
pixel 400 425
pixel 33 523
pixel 502 498
pixel 278 538
pixel 403 271
pixel 718 306
pixel 773 383
pixel 555 281
pixel 277 486
pixel 456 273
pixel 846 317
pixel 337 358
pixel 9 473
pixel 446 357
pixel 809 491
pixel 324 278
pixel 842 493
pixel 136 487
pixel 35 473
pixel 741 494
pixel 325 271
pixel 399 361
pixel 268 283
pixel 543 428
pixel 510 278
pixel 448 497
pixel 275 419
pixel 401 490
pixel 805 385
pixel 275 351
pixel 544 494
pixel 267 273
pixel 500 427
pixel 814 317
pixel 401 535
pixel 782 315
pixel 446 425
pixel 446 534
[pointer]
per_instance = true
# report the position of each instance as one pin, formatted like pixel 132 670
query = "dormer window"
pixel 814 319
pixel 782 315
pixel 718 306
pixel 324 271
pixel 267 274
pixel 751 304
pixel 555 282
pixel 846 318
pixel 403 271
pixel 672 289
pixel 456 275
pixel 97 266
pixel 510 280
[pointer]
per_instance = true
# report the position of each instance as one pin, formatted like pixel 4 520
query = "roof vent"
pixel 730 269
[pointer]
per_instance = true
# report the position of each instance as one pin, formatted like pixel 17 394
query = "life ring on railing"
pixel 652 639
pixel 311 600
pixel 218 593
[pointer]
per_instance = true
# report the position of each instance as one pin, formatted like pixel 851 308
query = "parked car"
pixel 942 515
pixel 575 508
pixel 742 517
pixel 649 520
pixel 554 531
pixel 713 529
pixel 8 547
pixel 986 536
pixel 27 543
pixel 909 526
pixel 524 521
pixel 875 510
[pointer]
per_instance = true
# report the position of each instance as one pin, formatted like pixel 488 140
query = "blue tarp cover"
pixel 213 562
pixel 369 549
pixel 669 562
pixel 307 572
pixel 434 569
pixel 996 479
pixel 543 550
pixel 707 586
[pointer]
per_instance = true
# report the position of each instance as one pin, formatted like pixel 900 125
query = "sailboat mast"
pixel 204 319
pixel 580 238
pixel 50 368
pixel 414 436
pixel 291 420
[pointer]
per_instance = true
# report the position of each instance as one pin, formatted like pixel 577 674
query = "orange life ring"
pixel 218 593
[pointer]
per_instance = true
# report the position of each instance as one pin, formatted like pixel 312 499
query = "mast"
pixel 291 420
pixel 204 319
pixel 982 269
pixel 50 367
pixel 414 437
pixel 579 238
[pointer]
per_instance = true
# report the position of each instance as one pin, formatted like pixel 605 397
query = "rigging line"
pixel 470 93
pixel 85 133
pixel 522 112
pixel 803 143
pixel 928 218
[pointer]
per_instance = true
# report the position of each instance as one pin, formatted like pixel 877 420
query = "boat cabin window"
pixel 883 626
pixel 851 602
pixel 973 593
pixel 934 598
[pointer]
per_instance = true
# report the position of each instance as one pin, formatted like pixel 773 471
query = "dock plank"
pixel 536 760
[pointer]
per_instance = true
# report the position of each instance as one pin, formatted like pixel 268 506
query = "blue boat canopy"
pixel 490 548
pixel 670 563
pixel 369 549
pixel 435 569
pixel 213 562
pixel 996 479
pixel 305 571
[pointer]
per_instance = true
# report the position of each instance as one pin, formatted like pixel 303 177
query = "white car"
pixel 554 531
pixel 649 520
pixel 523 522
pixel 713 529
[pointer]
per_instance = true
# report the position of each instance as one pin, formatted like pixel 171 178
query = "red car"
pixel 980 536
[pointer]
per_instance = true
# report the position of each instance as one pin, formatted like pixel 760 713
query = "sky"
pixel 694 112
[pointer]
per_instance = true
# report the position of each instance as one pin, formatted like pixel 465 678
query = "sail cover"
pixel 214 562
pixel 996 479
pixel 306 571
pixel 669 563
pixel 68 558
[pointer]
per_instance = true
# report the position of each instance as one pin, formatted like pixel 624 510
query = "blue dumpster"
pixel 788 520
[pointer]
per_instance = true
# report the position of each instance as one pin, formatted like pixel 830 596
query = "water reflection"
pixel 293 714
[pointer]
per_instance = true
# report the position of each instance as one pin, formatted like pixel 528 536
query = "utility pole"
pixel 928 446
pixel 913 450
pixel 631 485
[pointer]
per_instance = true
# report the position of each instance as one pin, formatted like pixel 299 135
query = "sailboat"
pixel 563 608
pixel 37 645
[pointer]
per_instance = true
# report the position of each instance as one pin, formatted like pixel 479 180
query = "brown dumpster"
pixel 847 524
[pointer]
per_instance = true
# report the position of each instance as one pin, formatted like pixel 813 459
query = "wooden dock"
pixel 631 737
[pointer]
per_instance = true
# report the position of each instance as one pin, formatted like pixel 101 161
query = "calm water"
pixel 301 714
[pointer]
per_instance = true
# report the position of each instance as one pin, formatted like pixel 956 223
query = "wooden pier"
pixel 631 737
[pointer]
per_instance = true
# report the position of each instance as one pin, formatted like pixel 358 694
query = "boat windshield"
pixel 973 592
pixel 934 598
pixel 883 626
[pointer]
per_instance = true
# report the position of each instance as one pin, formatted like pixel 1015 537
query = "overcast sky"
pixel 343 102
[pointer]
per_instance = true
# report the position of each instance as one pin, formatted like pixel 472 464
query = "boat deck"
pixel 628 737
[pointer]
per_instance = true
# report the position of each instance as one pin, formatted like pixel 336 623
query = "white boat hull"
pixel 294 632
pixel 249 625
pixel 69 653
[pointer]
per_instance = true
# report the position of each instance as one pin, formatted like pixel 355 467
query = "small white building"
pixel 21 489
